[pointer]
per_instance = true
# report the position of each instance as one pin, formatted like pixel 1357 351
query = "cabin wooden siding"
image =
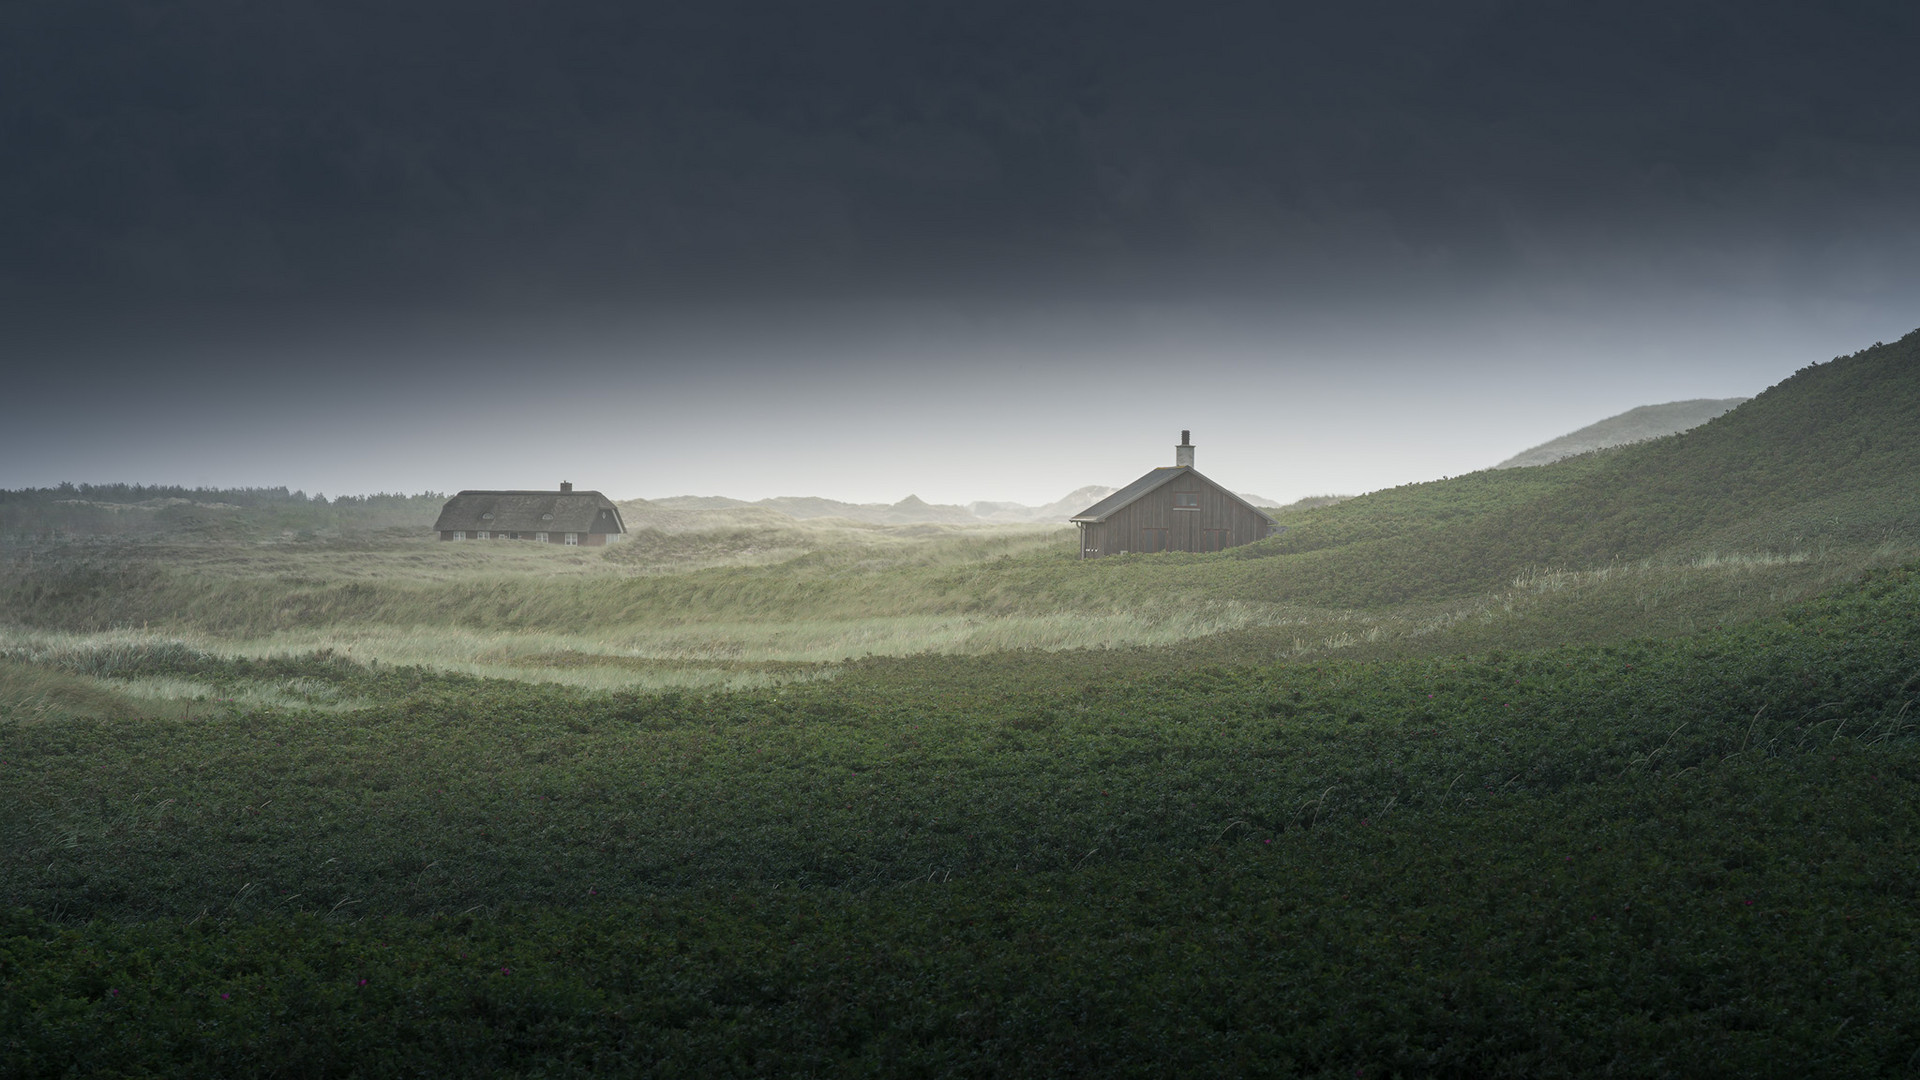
pixel 1219 522
pixel 584 539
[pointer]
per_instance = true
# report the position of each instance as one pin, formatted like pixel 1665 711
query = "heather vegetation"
pixel 1604 765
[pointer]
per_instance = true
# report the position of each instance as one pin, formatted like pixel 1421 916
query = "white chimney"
pixel 1183 454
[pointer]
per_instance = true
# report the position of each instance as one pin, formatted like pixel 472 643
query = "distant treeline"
pixel 249 497
pixel 70 511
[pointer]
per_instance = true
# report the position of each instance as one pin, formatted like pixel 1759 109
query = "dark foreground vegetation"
pixel 1691 857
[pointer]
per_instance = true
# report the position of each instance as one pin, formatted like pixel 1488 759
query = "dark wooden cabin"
pixel 574 518
pixel 1171 509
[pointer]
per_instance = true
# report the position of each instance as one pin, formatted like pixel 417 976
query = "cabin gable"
pixel 1171 509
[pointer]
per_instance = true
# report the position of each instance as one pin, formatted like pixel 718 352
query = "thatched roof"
pixel 530 511
pixel 1105 508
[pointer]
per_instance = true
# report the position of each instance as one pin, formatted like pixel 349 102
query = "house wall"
pixel 1154 523
pixel 553 537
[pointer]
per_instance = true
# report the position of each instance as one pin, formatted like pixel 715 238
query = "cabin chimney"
pixel 1183 454
pixel 564 486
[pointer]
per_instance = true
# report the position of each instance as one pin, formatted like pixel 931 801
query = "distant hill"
pixel 714 511
pixel 1632 426
pixel 1057 511
pixel 1826 459
pixel 1061 509
pixel 682 513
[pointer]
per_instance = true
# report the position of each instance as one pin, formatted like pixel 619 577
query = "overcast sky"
pixel 965 251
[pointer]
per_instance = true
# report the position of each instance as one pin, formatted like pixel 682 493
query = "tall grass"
pixel 33 693
pixel 743 627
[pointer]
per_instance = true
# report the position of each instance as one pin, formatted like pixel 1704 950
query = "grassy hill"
pixel 1632 426
pixel 1823 460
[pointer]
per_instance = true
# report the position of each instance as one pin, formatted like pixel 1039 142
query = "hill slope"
pixel 1632 426
pixel 1829 457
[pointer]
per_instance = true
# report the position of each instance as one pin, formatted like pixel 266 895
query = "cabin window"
pixel 1186 500
pixel 573 539
pixel 481 535
pixel 460 534
pixel 1153 539
pixel 542 537
pixel 1214 539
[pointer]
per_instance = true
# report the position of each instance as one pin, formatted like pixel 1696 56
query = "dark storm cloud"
pixel 505 152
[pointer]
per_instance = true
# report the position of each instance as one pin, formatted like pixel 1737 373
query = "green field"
pixel 1603 766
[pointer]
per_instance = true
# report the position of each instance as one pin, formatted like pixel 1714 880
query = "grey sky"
pixel 868 404
pixel 861 249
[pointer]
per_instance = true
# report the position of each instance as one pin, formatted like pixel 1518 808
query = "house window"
pixel 1186 500
pixel 460 534
pixel 481 535
pixel 1153 540
pixel 573 539
pixel 542 537
pixel 1214 539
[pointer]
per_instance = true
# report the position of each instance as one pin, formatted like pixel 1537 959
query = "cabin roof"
pixel 531 511
pixel 1106 507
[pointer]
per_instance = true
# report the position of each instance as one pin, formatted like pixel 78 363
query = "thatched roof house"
pixel 575 518
pixel 1171 509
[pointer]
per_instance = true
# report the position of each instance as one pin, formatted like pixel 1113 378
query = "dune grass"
pixel 34 693
pixel 551 614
